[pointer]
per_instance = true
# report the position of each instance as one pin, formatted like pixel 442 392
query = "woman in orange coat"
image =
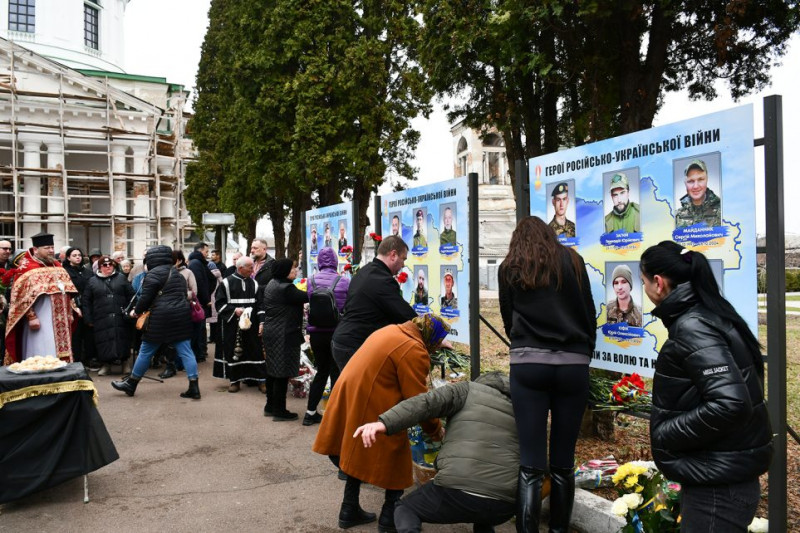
pixel 392 365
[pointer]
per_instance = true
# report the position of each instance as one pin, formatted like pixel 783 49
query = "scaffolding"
pixel 88 162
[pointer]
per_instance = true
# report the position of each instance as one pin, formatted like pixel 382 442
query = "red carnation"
pixel 346 249
pixel 402 277
pixel 375 237
pixel 348 266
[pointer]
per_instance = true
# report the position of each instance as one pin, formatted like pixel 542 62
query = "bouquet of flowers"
pixel 376 241
pixel 629 393
pixel 648 502
pixel 6 277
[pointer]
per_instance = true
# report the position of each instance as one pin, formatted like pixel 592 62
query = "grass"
pixel 762 298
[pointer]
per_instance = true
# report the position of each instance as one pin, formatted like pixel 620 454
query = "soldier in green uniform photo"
pixel 625 213
pixel 560 224
pixel 419 236
pixel 622 308
pixel 699 205
pixel 448 235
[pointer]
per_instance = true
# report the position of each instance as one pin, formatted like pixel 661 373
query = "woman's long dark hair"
pixel 177 256
pixel 679 265
pixel 534 257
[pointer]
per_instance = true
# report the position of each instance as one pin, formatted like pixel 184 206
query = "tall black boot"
pixel 169 356
pixel 193 391
pixel 386 520
pixel 562 494
pixel 529 499
pixel 351 514
pixel 126 385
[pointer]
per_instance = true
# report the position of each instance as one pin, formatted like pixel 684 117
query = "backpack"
pixel 322 310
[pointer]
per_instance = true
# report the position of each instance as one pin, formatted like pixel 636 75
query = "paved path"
pixel 198 466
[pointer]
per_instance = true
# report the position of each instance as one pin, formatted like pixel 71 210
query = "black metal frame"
pixel 474 280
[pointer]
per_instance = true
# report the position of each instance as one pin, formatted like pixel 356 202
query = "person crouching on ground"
pixel 163 293
pixel 473 485
pixel 392 365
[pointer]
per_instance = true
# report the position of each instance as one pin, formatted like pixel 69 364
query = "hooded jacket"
pixel 327 262
pixel 480 451
pixel 170 319
pixel 709 423
pixel 198 264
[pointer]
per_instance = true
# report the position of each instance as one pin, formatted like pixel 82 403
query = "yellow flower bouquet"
pixel 648 502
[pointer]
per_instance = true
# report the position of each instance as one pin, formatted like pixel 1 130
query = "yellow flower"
pixel 628 469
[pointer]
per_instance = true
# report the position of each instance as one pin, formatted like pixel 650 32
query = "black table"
pixel 50 430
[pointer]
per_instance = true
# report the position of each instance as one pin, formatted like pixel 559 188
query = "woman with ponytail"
pixel 709 428
pixel 549 315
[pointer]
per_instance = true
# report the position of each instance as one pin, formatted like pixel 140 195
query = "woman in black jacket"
pixel 282 333
pixel 709 428
pixel 549 315
pixel 104 301
pixel 82 341
pixel 164 293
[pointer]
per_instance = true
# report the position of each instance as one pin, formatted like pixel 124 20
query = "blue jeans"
pixel 720 508
pixel 148 350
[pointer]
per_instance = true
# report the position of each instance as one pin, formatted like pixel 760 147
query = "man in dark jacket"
pixel 206 282
pixel 374 300
pixel 164 295
pixel 471 485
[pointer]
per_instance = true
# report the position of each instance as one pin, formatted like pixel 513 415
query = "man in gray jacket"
pixel 476 479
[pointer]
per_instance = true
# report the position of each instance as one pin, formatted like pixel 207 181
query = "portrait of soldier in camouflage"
pixel 699 205
pixel 560 223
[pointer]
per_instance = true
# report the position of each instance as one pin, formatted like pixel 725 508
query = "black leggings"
pixel 326 367
pixel 561 390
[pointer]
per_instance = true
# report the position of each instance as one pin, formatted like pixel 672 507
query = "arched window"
pixel 461 156
pixel 129 160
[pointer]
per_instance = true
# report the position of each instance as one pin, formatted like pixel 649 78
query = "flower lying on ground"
pixel 649 503
pixel 758 525
pixel 629 393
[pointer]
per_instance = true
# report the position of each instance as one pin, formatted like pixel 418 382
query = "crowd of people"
pixel 709 425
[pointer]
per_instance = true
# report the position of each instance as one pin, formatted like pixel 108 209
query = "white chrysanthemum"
pixel 758 525
pixel 633 500
pixel 619 507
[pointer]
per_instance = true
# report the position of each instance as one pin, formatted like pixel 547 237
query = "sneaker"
pixel 310 420
pixel 284 416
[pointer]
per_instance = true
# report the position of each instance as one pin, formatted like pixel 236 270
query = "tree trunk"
pixel 278 217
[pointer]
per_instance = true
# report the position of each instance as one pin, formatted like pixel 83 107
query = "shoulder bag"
pixel 143 322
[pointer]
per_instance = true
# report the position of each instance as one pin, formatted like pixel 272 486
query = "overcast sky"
pixel 163 38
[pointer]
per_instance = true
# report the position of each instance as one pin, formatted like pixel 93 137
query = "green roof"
pixel 131 77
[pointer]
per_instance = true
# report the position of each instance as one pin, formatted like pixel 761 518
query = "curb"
pixel 590 514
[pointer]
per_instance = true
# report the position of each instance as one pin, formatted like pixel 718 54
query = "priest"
pixel 241 358
pixel 42 305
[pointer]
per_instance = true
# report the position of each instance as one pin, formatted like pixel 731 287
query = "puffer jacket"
pixel 283 327
pixel 327 262
pixel 170 318
pixel 104 301
pixel 480 452
pixel 709 423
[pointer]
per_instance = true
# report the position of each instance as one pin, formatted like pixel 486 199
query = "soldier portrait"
pixel 420 231
pixel 421 286
pixel 313 238
pixel 562 208
pixel 328 241
pixel 623 291
pixel 697 188
pixel 396 226
pixel 342 234
pixel 621 201
pixel 448 299
pixel 448 221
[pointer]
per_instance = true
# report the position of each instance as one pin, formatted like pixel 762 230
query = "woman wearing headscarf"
pixel 281 330
pixel 392 365
pixel 104 301
pixel 82 341
pixel 709 427
pixel 549 316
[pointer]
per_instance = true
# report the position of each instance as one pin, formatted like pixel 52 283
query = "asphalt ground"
pixel 215 464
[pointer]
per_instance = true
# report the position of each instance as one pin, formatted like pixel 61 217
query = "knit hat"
pixel 281 268
pixel 622 271
pixel 433 328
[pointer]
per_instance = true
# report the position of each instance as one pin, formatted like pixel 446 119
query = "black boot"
pixel 169 371
pixel 529 499
pixel 126 385
pixel 562 494
pixel 386 520
pixel 193 391
pixel 351 514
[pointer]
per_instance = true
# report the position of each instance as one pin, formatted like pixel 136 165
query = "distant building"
pixel 485 154
pixel 88 152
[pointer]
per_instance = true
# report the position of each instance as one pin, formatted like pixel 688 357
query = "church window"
pixel 22 15
pixel 91 25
